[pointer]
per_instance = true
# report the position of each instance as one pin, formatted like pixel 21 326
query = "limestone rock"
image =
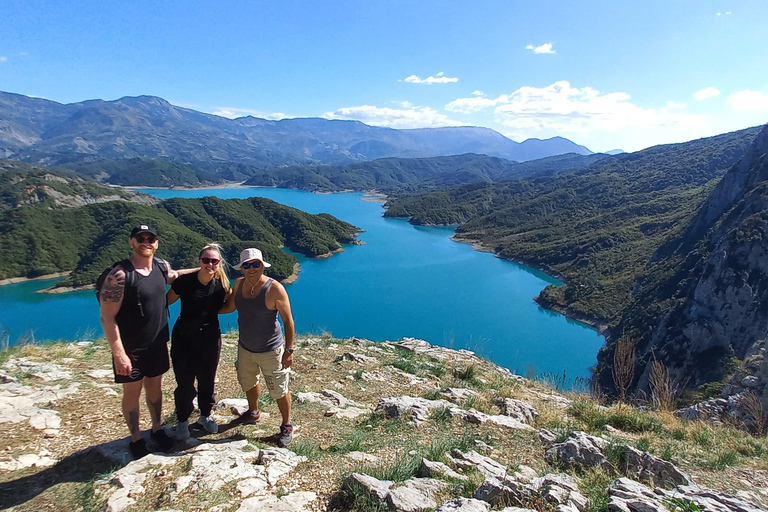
pixel 547 437
pixel 464 505
pixel 294 502
pixel 377 489
pixel 434 469
pixel 46 372
pixel 338 404
pixel 418 408
pixel 518 409
pixel 456 395
pixel 362 457
pixel 414 495
pixel 653 469
pixel 251 486
pixel 471 459
pixel 627 495
pixel 479 418
pixel 482 447
pixel 358 358
pixel 20 403
pixel 579 450
pixel 498 490
pixel 99 374
pixel 236 406
pixel 279 462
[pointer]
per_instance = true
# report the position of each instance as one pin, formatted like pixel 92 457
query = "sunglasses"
pixel 150 239
pixel 255 264
pixel 210 261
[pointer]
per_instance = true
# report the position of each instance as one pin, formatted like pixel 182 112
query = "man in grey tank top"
pixel 262 349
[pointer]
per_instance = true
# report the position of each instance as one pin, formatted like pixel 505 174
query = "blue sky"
pixel 604 74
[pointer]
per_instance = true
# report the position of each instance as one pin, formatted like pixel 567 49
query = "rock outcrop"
pixel 703 298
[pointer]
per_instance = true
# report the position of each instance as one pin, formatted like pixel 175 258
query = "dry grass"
pixel 92 417
pixel 623 365
pixel 662 389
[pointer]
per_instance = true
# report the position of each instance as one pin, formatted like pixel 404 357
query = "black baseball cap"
pixel 143 228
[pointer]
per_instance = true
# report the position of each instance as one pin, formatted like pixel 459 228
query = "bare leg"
pixel 253 397
pixel 284 404
pixel 154 396
pixel 131 395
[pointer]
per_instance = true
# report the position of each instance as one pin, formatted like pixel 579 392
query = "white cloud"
pixel 748 100
pixel 582 114
pixel 468 105
pixel 727 13
pixel 440 78
pixel 478 93
pixel 708 92
pixel 678 106
pixel 3 58
pixel 234 113
pixel 413 117
pixel 544 48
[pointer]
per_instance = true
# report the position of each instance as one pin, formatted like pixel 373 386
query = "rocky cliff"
pixel 703 300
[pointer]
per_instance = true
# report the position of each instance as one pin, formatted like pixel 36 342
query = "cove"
pixel 404 281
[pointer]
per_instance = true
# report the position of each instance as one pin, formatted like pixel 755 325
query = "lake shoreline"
pixel 17 280
pixel 600 326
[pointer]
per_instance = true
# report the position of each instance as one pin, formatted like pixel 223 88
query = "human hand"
pixel 287 360
pixel 123 365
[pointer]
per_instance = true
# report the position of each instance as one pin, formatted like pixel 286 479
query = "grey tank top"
pixel 259 329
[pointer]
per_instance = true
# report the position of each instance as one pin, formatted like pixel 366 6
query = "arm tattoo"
pixel 114 286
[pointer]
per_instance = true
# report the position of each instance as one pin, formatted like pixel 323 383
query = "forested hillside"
pixel 597 227
pixel 22 183
pixel 140 172
pixel 700 304
pixel 62 231
pixel 398 175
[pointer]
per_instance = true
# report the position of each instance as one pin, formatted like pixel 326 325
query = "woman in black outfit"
pixel 196 338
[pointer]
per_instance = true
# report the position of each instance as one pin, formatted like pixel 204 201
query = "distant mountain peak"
pixel 151 127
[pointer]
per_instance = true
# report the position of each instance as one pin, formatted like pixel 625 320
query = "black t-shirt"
pixel 198 298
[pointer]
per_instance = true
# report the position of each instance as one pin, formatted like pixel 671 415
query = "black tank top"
pixel 143 316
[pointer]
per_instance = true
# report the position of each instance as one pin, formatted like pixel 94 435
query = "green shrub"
pixel 703 436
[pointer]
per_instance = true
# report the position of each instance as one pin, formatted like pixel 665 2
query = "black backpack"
pixel 130 276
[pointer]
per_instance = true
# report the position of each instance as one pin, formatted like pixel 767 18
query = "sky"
pixel 604 74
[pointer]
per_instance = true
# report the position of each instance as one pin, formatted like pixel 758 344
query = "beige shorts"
pixel 250 366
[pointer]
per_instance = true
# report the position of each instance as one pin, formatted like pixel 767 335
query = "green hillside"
pixel 76 227
pixel 399 175
pixel 597 227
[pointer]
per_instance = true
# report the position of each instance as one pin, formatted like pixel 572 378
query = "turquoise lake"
pixel 405 281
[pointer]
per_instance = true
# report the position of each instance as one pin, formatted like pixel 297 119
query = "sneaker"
pixel 247 418
pixel 163 441
pixel 286 434
pixel 208 423
pixel 182 430
pixel 138 449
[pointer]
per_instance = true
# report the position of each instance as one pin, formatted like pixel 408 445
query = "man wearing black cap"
pixel 135 322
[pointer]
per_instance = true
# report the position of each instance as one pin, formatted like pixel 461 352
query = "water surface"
pixel 404 281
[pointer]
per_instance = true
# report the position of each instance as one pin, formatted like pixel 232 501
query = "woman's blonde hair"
pixel 221 271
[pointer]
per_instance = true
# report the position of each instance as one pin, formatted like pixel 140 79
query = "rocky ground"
pixel 401 426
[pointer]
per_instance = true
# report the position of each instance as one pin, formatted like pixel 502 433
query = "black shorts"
pixel 148 361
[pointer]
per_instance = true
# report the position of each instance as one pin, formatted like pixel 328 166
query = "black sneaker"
pixel 138 449
pixel 286 434
pixel 163 441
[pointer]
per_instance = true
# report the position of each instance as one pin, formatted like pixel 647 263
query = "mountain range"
pixel 43 131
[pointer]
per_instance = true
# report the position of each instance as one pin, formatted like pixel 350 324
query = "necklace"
pixel 253 288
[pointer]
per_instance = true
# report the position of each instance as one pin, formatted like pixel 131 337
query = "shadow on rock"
pixel 80 467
